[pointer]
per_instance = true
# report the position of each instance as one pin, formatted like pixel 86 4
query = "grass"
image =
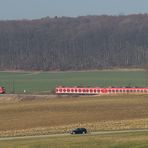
pixel 59 115
pixel 43 82
pixel 25 115
pixel 123 140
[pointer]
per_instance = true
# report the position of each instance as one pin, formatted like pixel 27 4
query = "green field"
pixel 43 82
pixel 124 140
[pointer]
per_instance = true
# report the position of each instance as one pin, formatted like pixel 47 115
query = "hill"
pixel 64 43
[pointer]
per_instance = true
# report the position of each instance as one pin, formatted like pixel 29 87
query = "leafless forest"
pixel 80 43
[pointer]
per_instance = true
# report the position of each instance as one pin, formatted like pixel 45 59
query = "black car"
pixel 79 131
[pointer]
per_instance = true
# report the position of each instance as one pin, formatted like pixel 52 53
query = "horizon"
pixel 24 10
pixel 52 17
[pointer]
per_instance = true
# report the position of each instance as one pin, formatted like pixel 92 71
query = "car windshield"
pixel 76 129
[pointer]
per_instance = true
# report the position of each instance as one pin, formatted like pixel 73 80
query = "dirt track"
pixel 67 134
pixel 18 97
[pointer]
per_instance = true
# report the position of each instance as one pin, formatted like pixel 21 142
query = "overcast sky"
pixel 34 9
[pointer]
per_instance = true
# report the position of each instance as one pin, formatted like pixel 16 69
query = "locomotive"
pixel 62 90
pixel 2 90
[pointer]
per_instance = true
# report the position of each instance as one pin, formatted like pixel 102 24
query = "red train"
pixel 2 90
pixel 98 90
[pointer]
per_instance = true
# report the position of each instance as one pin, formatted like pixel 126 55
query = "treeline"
pixel 63 43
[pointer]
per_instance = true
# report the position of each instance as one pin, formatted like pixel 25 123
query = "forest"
pixel 74 43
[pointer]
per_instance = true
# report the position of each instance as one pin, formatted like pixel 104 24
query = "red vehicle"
pixel 2 90
pixel 98 90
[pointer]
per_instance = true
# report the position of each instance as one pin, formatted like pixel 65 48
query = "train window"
pixel 60 90
pixel 72 90
pixel 64 90
pixel 94 90
pixel 84 90
pixel 79 90
pixel 91 90
pixel 87 90
pixel 98 90
pixel 75 90
pixel 120 90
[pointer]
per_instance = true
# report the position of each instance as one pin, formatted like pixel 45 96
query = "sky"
pixel 35 9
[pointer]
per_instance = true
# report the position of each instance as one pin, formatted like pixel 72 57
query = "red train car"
pixel 2 90
pixel 98 90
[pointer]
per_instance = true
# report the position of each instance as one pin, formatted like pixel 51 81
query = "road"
pixel 67 134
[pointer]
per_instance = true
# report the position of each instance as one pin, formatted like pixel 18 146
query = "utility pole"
pixel 12 87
